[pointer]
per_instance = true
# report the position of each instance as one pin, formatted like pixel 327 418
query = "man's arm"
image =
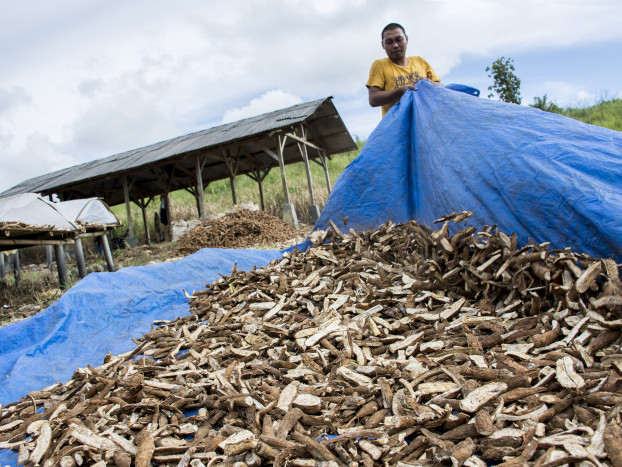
pixel 378 97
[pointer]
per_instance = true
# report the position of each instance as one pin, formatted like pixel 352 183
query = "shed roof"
pixel 170 165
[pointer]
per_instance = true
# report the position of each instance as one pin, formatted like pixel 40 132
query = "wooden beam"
pixel 270 152
pixel 303 140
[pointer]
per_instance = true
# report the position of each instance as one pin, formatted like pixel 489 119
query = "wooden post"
pixel 169 226
pixel 126 194
pixel 17 272
pixel 2 267
pixel 143 208
pixel 61 265
pixel 233 193
pixel 103 241
pixel 289 211
pixel 200 194
pixel 262 202
pixel 279 152
pixel 77 247
pixel 305 158
pixel 325 165
pixel 259 177
pixel 48 256
pixel 232 166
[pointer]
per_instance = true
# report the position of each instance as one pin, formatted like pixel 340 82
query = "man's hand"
pixel 378 97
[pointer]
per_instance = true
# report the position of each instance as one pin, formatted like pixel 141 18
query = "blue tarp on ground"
pixel 102 313
pixel 542 175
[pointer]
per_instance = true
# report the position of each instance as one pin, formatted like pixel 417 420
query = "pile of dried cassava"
pixel 402 346
pixel 241 228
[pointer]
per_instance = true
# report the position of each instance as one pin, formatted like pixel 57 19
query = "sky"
pixel 85 79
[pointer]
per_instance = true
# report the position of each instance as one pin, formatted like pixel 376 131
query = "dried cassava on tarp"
pixel 401 346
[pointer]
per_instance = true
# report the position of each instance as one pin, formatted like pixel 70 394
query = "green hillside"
pixel 607 113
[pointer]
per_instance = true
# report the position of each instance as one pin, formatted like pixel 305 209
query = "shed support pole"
pixel 262 201
pixel 233 193
pixel 2 267
pixel 289 212
pixel 325 165
pixel 17 272
pixel 48 256
pixel 103 241
pixel 61 265
pixel 169 225
pixel 77 246
pixel 200 193
pixel 314 210
pixel 143 208
pixel 259 177
pixel 126 194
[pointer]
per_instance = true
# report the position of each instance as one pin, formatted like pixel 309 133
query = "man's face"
pixel 394 43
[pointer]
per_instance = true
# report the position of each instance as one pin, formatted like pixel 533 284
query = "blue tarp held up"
pixel 542 175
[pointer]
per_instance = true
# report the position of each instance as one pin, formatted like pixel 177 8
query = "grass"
pixel 606 113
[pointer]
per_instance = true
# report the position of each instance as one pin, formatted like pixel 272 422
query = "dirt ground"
pixel 39 286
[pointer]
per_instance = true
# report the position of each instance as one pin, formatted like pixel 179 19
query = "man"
pixel 391 77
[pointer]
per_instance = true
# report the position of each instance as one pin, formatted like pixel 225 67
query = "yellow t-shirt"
pixel 388 76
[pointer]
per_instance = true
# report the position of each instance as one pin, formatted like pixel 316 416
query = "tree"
pixel 543 103
pixel 506 83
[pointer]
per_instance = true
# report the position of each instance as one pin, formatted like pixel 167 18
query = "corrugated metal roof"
pixel 320 115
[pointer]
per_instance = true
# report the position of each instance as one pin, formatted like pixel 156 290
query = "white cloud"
pixel 268 102
pixel 10 99
pixel 38 156
pixel 118 123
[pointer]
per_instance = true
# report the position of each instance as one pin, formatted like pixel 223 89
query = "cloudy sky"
pixel 83 79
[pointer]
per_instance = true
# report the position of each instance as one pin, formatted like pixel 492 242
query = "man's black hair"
pixel 391 27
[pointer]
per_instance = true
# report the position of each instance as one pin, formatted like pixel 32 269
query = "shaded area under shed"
pixel 311 131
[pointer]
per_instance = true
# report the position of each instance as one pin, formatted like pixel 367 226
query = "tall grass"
pixel 218 196
pixel 607 113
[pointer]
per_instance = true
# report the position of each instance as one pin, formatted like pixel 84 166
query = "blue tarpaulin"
pixel 102 313
pixel 542 175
